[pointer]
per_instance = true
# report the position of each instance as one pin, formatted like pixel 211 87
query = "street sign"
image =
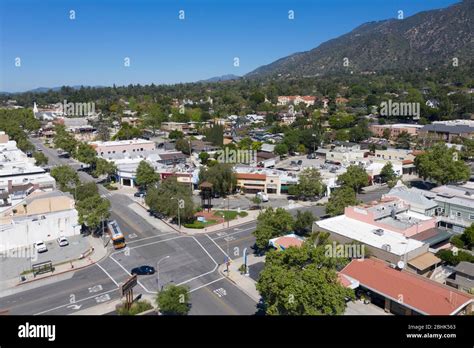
pixel 128 285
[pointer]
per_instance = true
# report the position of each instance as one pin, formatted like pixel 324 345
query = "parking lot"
pixel 15 261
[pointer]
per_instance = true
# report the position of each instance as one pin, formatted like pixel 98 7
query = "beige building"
pixel 40 216
pixel 395 129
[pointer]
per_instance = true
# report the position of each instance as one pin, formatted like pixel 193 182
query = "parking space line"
pixel 102 268
pixel 68 304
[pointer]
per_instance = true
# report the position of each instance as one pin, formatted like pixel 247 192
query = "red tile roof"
pixel 251 176
pixel 418 293
pixel 286 242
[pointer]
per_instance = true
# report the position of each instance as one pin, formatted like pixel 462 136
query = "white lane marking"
pixel 75 306
pixel 96 288
pixel 132 236
pixel 156 236
pixel 229 239
pixel 230 234
pixel 221 292
pixel 107 273
pixel 128 273
pixel 68 304
pixel 217 245
pixel 142 245
pixel 204 285
pixel 102 298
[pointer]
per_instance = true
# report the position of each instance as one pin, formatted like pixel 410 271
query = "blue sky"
pixel 91 49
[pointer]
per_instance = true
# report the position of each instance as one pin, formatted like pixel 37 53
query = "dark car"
pixel 143 270
pixel 140 194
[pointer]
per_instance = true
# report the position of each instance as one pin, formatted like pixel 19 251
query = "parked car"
pixel 140 194
pixel 62 241
pixel 40 247
pixel 263 196
pixel 300 162
pixel 143 270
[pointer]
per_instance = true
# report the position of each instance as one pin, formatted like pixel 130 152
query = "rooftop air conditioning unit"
pixel 378 232
pixel 387 247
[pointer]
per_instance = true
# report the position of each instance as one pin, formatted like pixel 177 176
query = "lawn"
pixel 229 214
pixel 199 224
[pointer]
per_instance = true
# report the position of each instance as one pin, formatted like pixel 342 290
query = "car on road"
pixel 62 241
pixel 39 149
pixel 140 194
pixel 143 270
pixel 40 247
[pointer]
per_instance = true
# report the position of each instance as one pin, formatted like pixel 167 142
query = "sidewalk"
pixel 111 306
pixel 163 225
pixel 95 253
pixel 243 282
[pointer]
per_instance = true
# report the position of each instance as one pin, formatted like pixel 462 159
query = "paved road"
pixel 193 261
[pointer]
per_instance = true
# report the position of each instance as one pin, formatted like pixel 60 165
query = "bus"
pixel 116 235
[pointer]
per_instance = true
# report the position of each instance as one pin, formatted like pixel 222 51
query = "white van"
pixel 263 196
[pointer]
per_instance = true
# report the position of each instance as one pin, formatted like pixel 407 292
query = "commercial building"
pixel 19 176
pixel 40 216
pixel 448 130
pixel 253 180
pixel 105 148
pixel 395 129
pixel 455 210
pixel 405 293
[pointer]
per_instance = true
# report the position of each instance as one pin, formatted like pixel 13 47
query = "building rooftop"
pixel 418 293
pixel 448 128
pixel 390 241
pixel 466 268
pixel 121 142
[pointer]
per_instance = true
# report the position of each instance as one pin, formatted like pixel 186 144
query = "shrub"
pixel 137 307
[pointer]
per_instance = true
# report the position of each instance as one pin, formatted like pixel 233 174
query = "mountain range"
pixel 425 40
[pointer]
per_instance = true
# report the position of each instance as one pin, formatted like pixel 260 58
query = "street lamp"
pixel 180 206
pixel 158 270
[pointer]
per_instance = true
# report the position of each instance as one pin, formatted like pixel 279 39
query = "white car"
pixel 62 241
pixel 40 247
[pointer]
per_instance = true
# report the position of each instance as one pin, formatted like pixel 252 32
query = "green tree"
pixel 309 185
pixel 441 164
pixel 85 190
pixel 302 281
pixel 281 149
pixel 146 175
pixel 388 175
pixel 174 300
pixel 104 167
pixel 204 157
pixel 176 134
pixel 65 176
pixel 386 134
pixel 40 158
pixel 63 140
pixel 340 198
pixel 92 210
pixel 165 197
pixel 86 154
pixel 270 224
pixel 183 145
pixel 304 222
pixel 127 132
pixel 403 141
pixel 341 120
pixel 355 177
pixel 221 176
pixel 154 117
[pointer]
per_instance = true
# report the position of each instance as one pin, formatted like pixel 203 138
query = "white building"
pixel 40 216
pixel 19 175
